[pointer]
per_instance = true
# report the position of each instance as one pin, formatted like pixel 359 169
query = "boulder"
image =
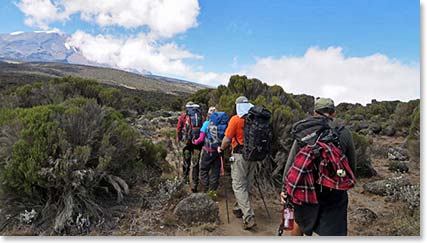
pixel 375 128
pixel 398 166
pixel 363 125
pixel 389 131
pixel 386 187
pixel 197 208
pixel 364 216
pixel 397 153
pixel 364 168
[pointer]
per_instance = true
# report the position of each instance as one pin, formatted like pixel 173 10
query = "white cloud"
pixel 141 53
pixel 39 12
pixel 164 18
pixel 328 73
pixel 174 52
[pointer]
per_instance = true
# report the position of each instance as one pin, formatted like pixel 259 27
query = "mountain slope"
pixel 39 47
pixel 19 73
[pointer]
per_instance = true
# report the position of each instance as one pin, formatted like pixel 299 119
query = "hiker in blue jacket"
pixel 211 160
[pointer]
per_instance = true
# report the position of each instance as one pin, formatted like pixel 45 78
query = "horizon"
pixel 347 50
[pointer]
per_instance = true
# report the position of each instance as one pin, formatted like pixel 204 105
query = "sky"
pixel 348 50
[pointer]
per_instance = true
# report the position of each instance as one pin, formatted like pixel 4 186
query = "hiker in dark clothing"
pixel 186 130
pixel 211 161
pixel 328 216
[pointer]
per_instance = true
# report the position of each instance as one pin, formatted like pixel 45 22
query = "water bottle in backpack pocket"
pixel 218 122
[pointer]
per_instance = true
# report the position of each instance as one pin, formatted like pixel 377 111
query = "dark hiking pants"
pixel 211 162
pixel 191 154
pixel 328 218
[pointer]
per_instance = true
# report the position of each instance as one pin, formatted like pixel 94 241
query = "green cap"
pixel 321 103
pixel 242 99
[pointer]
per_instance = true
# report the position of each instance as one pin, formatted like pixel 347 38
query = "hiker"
pixel 242 171
pixel 188 128
pixel 320 208
pixel 211 133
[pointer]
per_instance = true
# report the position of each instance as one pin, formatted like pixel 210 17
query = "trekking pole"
pixel 262 198
pixel 225 188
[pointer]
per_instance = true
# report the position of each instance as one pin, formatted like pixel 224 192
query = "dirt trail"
pixel 265 225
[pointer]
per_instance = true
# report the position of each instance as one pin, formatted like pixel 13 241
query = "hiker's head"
pixel 242 106
pixel 324 106
pixel 211 110
pixel 191 104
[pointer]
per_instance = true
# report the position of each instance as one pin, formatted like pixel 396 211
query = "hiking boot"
pixel 249 223
pixel 237 212
pixel 194 189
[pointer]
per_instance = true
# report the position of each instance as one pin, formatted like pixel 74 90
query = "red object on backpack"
pixel 180 126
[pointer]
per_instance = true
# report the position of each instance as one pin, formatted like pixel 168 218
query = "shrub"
pixel 402 115
pixel 111 97
pixel 364 166
pixel 67 159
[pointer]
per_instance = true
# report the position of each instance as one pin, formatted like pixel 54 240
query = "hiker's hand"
pixel 283 197
pixel 220 151
pixel 193 141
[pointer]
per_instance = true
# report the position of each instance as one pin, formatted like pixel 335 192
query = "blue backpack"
pixel 218 122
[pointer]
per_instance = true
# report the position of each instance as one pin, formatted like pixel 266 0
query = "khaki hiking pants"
pixel 242 175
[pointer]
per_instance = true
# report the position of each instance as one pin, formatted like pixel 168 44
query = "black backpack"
pixel 257 134
pixel 313 129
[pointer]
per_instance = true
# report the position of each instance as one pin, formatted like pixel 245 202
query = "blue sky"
pixel 251 37
pixel 248 29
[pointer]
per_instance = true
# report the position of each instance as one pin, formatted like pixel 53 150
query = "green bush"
pixel 364 166
pixel 68 159
pixel 402 115
pixel 128 102
pixel 111 97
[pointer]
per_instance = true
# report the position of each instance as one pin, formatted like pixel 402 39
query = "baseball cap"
pixel 321 103
pixel 242 99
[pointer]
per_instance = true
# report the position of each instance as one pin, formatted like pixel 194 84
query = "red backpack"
pixel 189 124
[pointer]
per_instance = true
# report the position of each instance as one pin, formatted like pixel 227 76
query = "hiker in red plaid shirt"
pixel 318 187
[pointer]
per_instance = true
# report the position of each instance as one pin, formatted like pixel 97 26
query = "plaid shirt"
pixel 300 184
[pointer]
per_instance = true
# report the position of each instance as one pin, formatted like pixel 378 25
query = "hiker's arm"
pixel 230 132
pixel 291 157
pixel 288 165
pixel 289 161
pixel 225 143
pixel 200 139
